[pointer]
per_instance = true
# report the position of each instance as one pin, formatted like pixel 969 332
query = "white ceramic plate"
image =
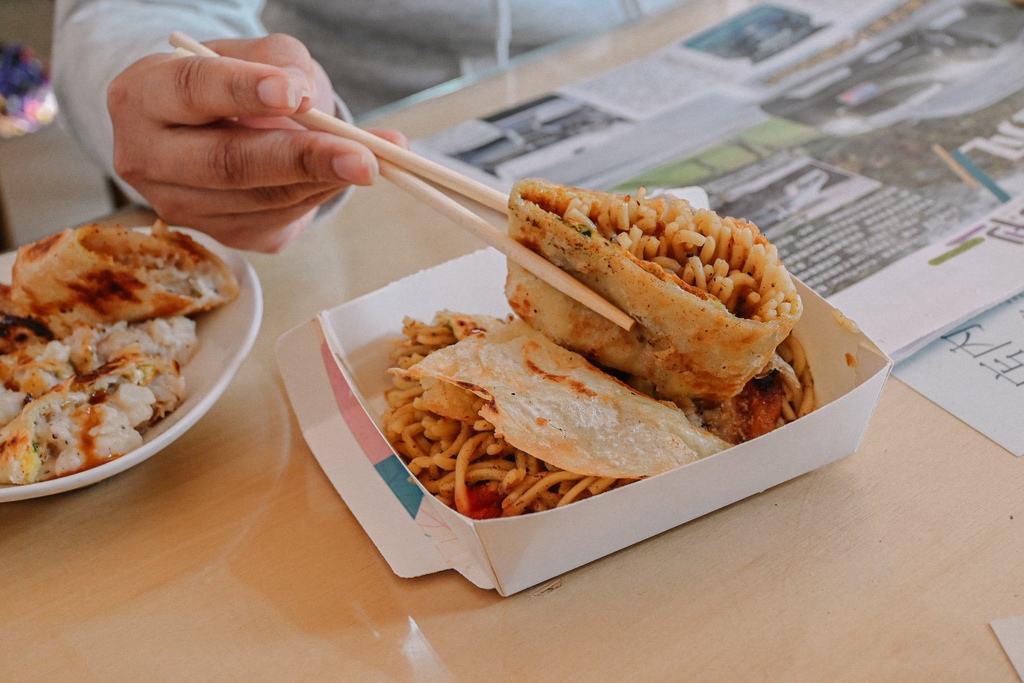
pixel 225 337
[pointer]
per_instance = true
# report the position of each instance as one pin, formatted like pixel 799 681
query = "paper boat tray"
pixel 335 372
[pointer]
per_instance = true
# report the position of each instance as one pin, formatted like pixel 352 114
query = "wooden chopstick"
pixel 314 119
pixel 401 167
pixel 530 260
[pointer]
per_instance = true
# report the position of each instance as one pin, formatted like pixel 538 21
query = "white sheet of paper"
pixel 976 372
pixel 940 287
pixel 1010 633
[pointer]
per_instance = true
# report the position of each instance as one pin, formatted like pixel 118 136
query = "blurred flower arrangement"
pixel 26 98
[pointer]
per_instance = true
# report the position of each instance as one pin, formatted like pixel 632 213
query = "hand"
pixel 207 141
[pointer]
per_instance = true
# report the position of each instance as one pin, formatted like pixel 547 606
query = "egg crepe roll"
pixel 710 298
pixel 104 274
pixel 553 404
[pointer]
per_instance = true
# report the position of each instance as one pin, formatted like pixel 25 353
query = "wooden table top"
pixel 229 556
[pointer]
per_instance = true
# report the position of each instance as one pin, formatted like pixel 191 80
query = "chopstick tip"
pixel 183 41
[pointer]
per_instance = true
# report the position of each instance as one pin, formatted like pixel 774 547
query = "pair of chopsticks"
pixel 407 170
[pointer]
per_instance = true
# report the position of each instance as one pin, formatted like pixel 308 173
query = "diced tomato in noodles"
pixel 484 501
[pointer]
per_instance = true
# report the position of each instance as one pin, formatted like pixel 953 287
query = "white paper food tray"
pixel 334 369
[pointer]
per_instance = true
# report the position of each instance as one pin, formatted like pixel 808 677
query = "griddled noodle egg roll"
pixel 711 299
pixel 104 274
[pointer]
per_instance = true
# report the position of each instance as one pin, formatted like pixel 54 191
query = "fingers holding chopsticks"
pixel 185 137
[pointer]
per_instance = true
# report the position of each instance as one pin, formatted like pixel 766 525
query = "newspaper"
pixel 878 144
pixel 976 372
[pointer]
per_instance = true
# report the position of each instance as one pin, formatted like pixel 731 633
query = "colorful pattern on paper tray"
pixel 378 451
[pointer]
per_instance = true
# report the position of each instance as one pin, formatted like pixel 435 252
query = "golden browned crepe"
pixel 710 297
pixel 103 274
pixel 553 404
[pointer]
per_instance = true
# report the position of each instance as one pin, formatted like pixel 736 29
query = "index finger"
pixel 276 49
pixel 201 90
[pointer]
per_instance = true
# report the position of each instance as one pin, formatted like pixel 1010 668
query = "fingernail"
pixel 356 167
pixel 301 83
pixel 276 91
